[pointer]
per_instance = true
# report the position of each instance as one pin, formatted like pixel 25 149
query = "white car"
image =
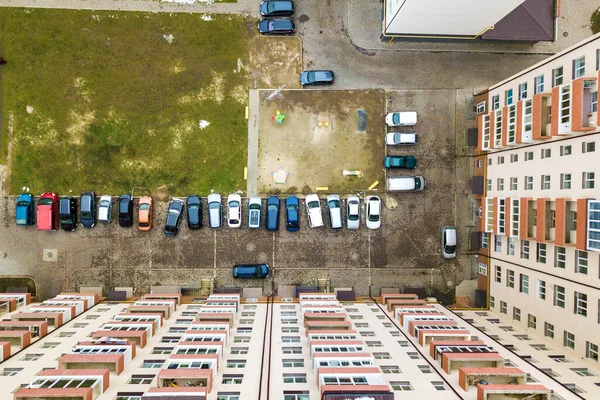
pixel 313 208
pixel 352 212
pixel 254 212
pixel 373 217
pixel 234 210
pixel 401 118
pixel 105 209
pixel 401 139
pixel 334 205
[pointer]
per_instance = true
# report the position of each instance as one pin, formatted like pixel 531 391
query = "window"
pixel 489 161
pixel 559 296
pixel 413 355
pixel 508 97
pixel 31 357
pixel 560 359
pixel 523 91
pixel 582 371
pixel 525 249
pixel 560 257
pixel 566 150
pixel 588 180
pixel 514 183
pixel 401 385
pixel 292 363
pixel 390 369
pixel 129 396
pixel 483 269
pixel 290 339
pixel 14 371
pixel 239 350
pixel 492 302
pixel 236 363
pixel 557 76
pixel 289 329
pixel 294 378
pixel 367 333
pixel 498 274
pixel 580 304
pixel 546 153
pixel 303 395
pixel 66 334
pixel 598 60
pixel 591 351
pixel 484 240
pixel 241 339
pixel 578 67
pixel 481 107
pixel 162 350
pixel 170 339
pixel 503 307
pixel 244 329
pixel 488 185
pixel 581 262
pixel 549 330
pixel 50 345
pixel 569 340
pixel 424 369
pixel 565 181
pixel 495 102
pixel 152 363
pixel 541 253
pixel 231 396
pixel 539 84
pixel 500 160
pixel 438 385
pixel 232 379
pixel 529 183
pixel 516 313
pixel 92 316
pixel 382 356
pixel 374 344
pixel 541 289
pixel 523 283
pixel 141 379
pixel 545 182
pixel 531 321
pixel 292 350
pixel 514 158
pixel 528 155
pixel 498 244
pixel 593 225
pixel 510 278
pixel 403 343
pixel 500 184
pixel 595 102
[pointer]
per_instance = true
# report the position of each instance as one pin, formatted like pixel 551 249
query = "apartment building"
pixel 227 348
pixel 538 201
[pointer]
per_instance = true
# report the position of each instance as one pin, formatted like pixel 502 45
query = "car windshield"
pixel 254 207
pixel 333 204
pixel 193 206
pixel 234 204
pixel 23 203
pixel 214 205
pixel 353 213
pixel 106 203
pixel 144 207
pixel 450 249
pixel 312 76
pixel 292 207
pixel 86 215
pixel 272 207
pixel 396 118
pixel 313 204
pixel 45 201
pixel 144 224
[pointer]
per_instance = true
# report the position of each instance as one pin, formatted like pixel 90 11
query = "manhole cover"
pixel 565 34
pixel 50 255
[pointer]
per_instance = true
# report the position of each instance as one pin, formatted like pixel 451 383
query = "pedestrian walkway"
pixel 252 178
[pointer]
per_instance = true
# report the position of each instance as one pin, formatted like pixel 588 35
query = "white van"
pixel 334 205
pixel 313 208
pixel 406 184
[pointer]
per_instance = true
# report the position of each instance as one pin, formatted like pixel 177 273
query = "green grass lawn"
pixel 106 101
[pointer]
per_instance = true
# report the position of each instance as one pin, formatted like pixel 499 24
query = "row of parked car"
pixel 52 212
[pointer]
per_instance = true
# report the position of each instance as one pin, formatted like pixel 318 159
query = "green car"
pixel 408 162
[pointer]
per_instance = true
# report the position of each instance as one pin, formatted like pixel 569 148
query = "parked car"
pixel 280 26
pixel 373 212
pixel 105 209
pixel 234 210
pixel 251 271
pixel 24 210
pixel 214 210
pixel 276 8
pixel 88 209
pixel 273 204
pixel 352 212
pixel 67 214
pixel 313 209
pixel 292 211
pixel 47 212
pixel 254 212
pixel 401 139
pixel 194 212
pixel 125 210
pixel 401 118
pixel 406 184
pixel 334 205
pixel 317 77
pixel 408 162
pixel 448 242
pixel 173 217
pixel 145 213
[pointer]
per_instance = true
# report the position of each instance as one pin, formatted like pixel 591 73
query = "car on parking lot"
pixel 125 210
pixel 105 209
pixel 24 210
pixel 317 77
pixel 214 210
pixel 47 212
pixel 401 118
pixel 313 209
pixel 67 214
pixel 278 26
pixel 406 184
pixel 448 242
pixel 352 212
pixel 173 217
pixel 88 209
pixel 408 162
pixel 194 212
pixel 276 8
pixel 334 205
pixel 373 212
pixel 145 213
pixel 254 212
pixel 234 210
pixel 273 204
pixel 251 271
pixel 292 209
pixel 401 139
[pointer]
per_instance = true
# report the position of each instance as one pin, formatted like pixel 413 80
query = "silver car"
pixel 214 210
pixel 448 242
pixel 353 212
pixel 105 209
pixel 373 217
pixel 254 212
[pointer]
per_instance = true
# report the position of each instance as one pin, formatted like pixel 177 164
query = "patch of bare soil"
pixel 275 62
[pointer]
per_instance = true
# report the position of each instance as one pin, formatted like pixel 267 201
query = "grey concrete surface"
pixel 253 106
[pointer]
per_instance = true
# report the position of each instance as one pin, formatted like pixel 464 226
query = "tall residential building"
pixel 538 200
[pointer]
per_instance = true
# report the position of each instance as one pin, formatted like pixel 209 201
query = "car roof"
pixel 281 24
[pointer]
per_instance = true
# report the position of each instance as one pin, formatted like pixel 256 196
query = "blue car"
pixel 251 271
pixel 24 212
pixel 292 211
pixel 272 213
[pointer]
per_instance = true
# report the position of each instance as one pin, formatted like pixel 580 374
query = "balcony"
pixel 138 337
pixel 156 319
pixel 54 319
pixel 513 392
pixel 581 112
pixel 326 325
pixel 468 377
pixel 168 393
pixel 434 344
pixel 38 329
pixel 541 125
pixel 113 362
pixel 393 303
pixel 325 316
pixel 165 311
pixel 164 296
pixel 186 378
pixel 453 361
pixel 66 385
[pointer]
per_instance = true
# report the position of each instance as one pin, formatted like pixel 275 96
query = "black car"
pixel 67 214
pixel 281 26
pixel 173 217
pixel 316 77
pixel 88 209
pixel 125 210
pixel 194 212
pixel 274 8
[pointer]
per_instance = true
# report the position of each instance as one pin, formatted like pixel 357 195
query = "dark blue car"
pixel 276 8
pixel 24 212
pixel 292 211
pixel 251 271
pixel 272 213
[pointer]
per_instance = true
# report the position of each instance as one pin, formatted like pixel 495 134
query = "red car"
pixel 47 212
